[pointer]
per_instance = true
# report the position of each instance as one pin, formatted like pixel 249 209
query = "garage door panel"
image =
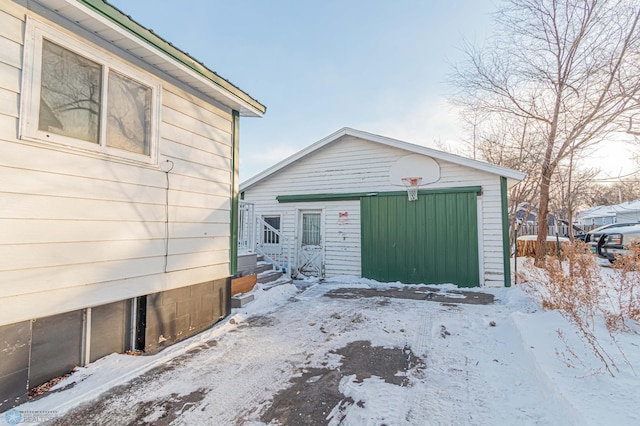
pixel 430 240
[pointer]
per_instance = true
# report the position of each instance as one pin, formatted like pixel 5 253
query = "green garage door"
pixel 432 240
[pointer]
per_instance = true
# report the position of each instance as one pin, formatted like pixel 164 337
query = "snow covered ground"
pixel 470 364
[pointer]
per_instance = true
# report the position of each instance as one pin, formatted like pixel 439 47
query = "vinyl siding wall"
pixel 79 231
pixel 628 216
pixel 356 165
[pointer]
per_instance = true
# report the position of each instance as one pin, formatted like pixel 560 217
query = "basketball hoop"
pixel 412 183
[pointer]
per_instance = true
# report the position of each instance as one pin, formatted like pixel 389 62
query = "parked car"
pixel 578 232
pixel 616 241
pixel 594 235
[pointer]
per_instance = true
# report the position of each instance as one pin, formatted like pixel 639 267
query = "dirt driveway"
pixel 336 353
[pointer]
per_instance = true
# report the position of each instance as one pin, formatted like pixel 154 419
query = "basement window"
pixel 79 98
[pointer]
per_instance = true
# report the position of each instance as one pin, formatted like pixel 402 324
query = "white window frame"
pixel 35 32
pixel 264 230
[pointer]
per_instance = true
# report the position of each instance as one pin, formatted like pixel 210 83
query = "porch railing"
pixel 274 246
pixel 257 236
pixel 246 234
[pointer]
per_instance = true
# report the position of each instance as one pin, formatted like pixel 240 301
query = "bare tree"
pixel 508 142
pixel 570 189
pixel 606 194
pixel 568 67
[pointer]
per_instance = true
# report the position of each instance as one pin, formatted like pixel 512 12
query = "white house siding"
pixel 79 231
pixel 355 165
pixel 341 240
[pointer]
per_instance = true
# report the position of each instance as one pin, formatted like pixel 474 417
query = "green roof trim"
pixel 323 197
pixel 124 21
pixel 350 196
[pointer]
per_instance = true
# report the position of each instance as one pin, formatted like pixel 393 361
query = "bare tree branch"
pixel 569 70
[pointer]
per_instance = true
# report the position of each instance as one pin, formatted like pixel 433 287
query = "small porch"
pixel 262 249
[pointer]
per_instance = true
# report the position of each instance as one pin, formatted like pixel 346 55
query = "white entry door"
pixel 310 251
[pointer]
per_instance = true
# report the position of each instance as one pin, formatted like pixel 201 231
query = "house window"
pixel 269 234
pixel 77 97
pixel 70 88
pixel 128 112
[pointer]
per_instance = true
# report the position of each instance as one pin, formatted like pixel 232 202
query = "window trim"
pixel 35 32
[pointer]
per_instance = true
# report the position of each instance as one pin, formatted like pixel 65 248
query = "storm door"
pixel 310 251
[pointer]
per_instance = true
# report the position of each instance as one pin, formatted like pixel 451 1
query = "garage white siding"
pixel 353 165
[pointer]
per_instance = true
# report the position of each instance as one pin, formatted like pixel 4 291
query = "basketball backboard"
pixel 414 166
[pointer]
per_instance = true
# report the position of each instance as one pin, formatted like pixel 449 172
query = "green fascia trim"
pixel 357 195
pixel 323 197
pixel 235 161
pixel 506 254
pixel 118 17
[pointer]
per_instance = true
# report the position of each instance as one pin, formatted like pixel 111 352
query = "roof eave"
pixel 291 159
pixel 513 176
pixel 192 72
pixel 510 174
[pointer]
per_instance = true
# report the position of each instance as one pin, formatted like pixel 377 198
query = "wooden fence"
pixel 563 230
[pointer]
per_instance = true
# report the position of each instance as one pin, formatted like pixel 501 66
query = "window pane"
pixel 128 114
pixel 70 94
pixel 269 236
pixel 311 229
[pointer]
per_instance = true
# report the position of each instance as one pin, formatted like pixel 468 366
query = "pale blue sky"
pixel 378 66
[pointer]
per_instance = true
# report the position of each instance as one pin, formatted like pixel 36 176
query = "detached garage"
pixel 360 204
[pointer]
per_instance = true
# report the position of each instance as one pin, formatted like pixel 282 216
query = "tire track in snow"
pixel 416 405
pixel 256 375
pixel 263 353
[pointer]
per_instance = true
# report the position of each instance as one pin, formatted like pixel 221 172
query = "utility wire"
pixel 618 178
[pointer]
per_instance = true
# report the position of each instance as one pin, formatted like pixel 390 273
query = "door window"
pixel 311 229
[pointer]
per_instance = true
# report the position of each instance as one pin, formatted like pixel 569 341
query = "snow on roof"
pixel 626 207
pixel 513 175
pixel 598 211
pixel 610 211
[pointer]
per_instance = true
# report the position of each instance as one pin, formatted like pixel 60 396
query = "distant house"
pixel 627 212
pixel 603 215
pixel 342 208
pixel 526 214
pixel 118 186
pixel 596 216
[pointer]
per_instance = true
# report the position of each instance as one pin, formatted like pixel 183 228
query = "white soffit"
pixel 123 39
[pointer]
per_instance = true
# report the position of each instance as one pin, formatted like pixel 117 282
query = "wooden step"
pixel 262 267
pixel 239 300
pixel 243 284
pixel 267 277
pixel 246 263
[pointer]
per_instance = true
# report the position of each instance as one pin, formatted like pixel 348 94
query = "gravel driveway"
pixel 341 353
